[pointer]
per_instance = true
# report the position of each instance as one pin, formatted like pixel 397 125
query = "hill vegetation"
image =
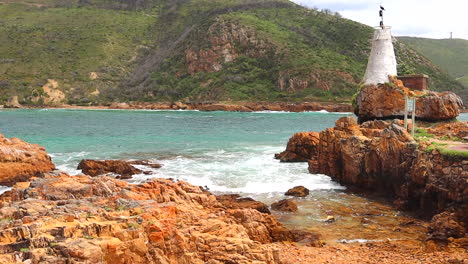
pixel 99 51
pixel 450 55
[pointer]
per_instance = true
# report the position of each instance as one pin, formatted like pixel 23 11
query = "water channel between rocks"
pixel 225 151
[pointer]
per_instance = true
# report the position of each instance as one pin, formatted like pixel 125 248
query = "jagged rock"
pixel 121 167
pixel 234 201
pixel 20 161
pixel 13 102
pixel 381 156
pixel 301 146
pixel 298 191
pixel 102 219
pixel 286 205
pixel 388 101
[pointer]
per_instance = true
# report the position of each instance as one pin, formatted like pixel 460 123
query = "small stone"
pixel 298 191
pixel 330 219
pixel 286 205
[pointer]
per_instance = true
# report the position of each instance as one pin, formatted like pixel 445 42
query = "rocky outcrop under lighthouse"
pixel 387 101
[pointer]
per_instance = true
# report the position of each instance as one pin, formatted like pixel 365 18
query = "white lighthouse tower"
pixel 382 61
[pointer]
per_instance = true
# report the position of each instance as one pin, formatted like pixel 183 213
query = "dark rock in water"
pixel 307 238
pixel 286 205
pixel 121 167
pixel 298 191
pixel 234 201
pixel 445 225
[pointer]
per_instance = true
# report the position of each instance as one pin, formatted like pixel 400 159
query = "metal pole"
pixel 406 113
pixel 413 117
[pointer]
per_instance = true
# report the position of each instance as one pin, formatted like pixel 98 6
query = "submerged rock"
pixel 446 225
pixel 124 168
pixel 298 191
pixel 19 161
pixel 286 205
pixel 234 201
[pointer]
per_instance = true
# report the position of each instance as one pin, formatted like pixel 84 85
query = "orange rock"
pixel 388 101
pixel 300 148
pixel 19 161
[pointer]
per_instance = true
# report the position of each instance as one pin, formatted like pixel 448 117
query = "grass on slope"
pixel 449 54
pixel 463 80
pixel 66 44
pixel 138 49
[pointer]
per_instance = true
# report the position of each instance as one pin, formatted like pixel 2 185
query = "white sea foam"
pixel 4 189
pixel 358 240
pixel 69 161
pixel 249 170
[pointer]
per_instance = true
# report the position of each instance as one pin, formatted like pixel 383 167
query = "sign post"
pixel 410 106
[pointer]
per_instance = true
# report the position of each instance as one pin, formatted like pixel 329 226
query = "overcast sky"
pixel 419 18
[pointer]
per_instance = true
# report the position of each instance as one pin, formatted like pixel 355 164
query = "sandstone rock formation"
pixel 69 219
pixel 121 167
pixel 20 161
pixel 298 191
pixel 381 156
pixel 387 101
pixel 286 205
pixel 300 147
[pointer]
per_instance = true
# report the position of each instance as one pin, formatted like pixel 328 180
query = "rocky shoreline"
pixel 381 157
pixel 51 217
pixel 208 106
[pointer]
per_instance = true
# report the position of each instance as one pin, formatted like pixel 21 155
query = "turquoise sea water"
pixel 226 151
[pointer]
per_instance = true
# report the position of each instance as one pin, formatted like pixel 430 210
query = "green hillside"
pixel 450 55
pixel 99 51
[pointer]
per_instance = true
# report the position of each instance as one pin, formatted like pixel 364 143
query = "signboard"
pixel 410 105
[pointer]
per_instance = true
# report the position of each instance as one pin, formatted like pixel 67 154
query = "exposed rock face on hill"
pixel 381 156
pixel 20 160
pixel 13 102
pixel 388 101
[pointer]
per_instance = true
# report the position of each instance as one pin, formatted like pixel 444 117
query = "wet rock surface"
pixel 235 201
pixel 286 205
pixel 123 168
pixel 298 191
pixel 20 161
pixel 300 147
